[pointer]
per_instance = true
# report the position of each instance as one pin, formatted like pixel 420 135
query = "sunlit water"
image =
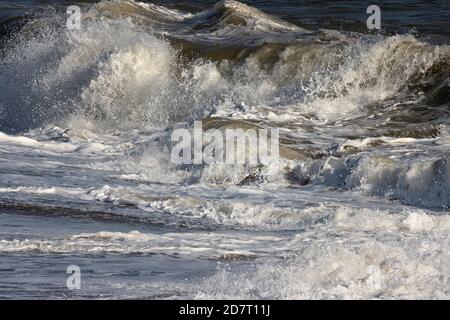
pixel 356 207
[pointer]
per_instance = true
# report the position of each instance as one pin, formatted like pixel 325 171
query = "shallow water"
pixel 357 206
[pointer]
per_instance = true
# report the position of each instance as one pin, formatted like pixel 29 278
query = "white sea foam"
pixel 28 142
pixel 334 271
pixel 423 182
pixel 129 78
pixel 73 192
pixel 363 194
pixel 229 213
pixel 205 245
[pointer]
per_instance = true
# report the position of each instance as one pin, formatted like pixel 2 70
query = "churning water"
pixel 357 205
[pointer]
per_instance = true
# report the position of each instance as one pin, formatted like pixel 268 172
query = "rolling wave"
pixel 164 66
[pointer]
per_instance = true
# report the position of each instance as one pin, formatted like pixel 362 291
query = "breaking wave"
pixel 140 66
pixel 136 66
pixel 362 184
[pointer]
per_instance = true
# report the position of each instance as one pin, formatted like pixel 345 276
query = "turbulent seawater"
pixel 356 207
